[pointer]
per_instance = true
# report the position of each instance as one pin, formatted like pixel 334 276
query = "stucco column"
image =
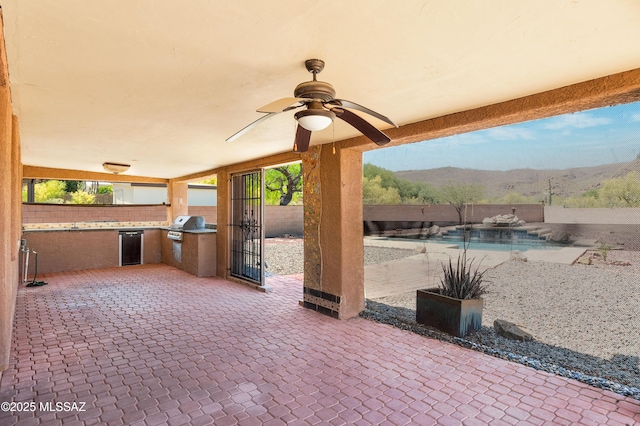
pixel 9 225
pixel 16 196
pixel 222 237
pixel 178 195
pixel 334 259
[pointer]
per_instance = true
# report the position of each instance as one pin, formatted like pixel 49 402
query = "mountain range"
pixel 571 182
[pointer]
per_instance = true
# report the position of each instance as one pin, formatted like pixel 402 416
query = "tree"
pixel 283 184
pixel 621 192
pixel 50 191
pixel 212 181
pixel 410 192
pixel 107 189
pixel 515 197
pixel 459 194
pixel 73 185
pixel 583 202
pixel 374 193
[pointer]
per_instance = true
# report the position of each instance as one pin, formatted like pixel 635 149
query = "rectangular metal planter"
pixel 453 316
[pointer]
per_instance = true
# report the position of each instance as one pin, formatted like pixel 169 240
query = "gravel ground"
pixel 284 256
pixel 585 318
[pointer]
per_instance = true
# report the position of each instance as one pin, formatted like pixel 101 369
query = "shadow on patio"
pixel 153 345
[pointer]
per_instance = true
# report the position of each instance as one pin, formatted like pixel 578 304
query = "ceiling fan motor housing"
pixel 315 90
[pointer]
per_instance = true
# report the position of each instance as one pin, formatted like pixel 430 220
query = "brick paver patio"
pixel 153 345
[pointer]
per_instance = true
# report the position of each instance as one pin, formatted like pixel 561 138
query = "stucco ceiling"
pixel 161 84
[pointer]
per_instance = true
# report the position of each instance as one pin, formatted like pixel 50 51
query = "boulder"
pixel 511 331
pixel 559 237
pixel 504 220
pixel 434 230
pixel 516 255
pixel 584 260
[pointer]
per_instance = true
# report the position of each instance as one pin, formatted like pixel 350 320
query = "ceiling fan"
pixel 322 108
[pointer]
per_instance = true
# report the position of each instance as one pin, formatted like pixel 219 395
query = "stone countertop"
pixel 108 225
pixel 209 228
pixel 92 226
pixel 201 231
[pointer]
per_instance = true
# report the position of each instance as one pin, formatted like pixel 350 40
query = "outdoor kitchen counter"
pixel 193 231
pixel 201 231
pixel 88 245
pixel 74 249
pixel 92 226
pixel 195 254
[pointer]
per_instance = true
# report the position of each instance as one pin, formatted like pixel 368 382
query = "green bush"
pixel 82 197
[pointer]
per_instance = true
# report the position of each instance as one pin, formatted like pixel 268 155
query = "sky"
pixel 588 138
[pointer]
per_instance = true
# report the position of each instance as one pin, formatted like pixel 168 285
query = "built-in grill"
pixel 184 223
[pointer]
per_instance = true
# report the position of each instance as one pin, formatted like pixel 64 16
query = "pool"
pixel 488 238
pixel 495 245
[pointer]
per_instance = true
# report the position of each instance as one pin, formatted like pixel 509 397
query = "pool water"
pixel 495 245
pixel 503 245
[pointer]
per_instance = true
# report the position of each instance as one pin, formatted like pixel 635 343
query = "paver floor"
pixel 153 345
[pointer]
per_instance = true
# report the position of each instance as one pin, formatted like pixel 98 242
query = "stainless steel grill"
pixel 184 223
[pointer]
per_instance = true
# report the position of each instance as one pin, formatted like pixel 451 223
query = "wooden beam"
pixel 272 160
pixel 614 89
pixel 33 172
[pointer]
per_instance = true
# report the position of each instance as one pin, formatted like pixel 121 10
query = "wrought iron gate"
pixel 247 236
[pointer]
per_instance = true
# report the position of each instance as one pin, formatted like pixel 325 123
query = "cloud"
pixel 510 132
pixel 579 120
pixel 635 117
pixel 473 138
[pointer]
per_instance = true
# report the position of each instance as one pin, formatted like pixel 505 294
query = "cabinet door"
pixel 131 246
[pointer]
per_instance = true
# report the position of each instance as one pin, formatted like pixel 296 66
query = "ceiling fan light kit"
pixel 313 120
pixel 115 168
pixel 322 107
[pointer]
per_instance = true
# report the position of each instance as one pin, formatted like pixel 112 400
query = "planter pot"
pixel 453 316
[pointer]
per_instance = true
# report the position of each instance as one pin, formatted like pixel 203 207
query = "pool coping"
pixel 563 255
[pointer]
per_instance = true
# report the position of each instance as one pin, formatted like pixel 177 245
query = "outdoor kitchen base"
pixel 197 252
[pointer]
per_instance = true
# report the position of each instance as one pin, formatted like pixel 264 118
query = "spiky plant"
pixel 462 281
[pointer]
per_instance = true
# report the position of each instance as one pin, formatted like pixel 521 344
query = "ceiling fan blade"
pixel 362 125
pixel 281 105
pixel 303 137
pixel 247 128
pixel 348 104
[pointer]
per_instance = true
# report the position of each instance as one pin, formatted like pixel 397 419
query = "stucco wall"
pixel 379 219
pixel 624 236
pixel 10 221
pixel 603 216
pixel 83 249
pixel 280 220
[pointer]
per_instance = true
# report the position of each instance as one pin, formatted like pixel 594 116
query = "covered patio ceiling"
pixel 161 84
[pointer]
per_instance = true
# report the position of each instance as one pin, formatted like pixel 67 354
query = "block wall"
pixel 281 220
pixel 63 213
pixel 210 213
pixel 445 213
